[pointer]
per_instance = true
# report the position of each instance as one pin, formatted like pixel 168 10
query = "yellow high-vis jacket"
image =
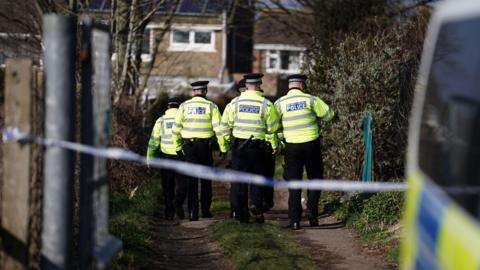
pixel 299 112
pixel 198 118
pixel 251 114
pixel 162 138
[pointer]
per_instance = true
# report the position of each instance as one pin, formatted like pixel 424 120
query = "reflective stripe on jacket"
pixel 251 114
pixel 299 112
pixel 162 137
pixel 197 118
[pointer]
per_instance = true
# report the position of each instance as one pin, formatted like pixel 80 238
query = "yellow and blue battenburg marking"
pixel 438 233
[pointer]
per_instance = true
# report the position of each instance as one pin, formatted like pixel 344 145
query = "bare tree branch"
pixel 126 61
pixel 168 22
pixel 149 15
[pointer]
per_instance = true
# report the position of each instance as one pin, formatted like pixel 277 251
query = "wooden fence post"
pixel 16 165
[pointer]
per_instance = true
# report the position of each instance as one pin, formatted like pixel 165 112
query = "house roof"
pixel 292 28
pixel 184 7
pixel 203 7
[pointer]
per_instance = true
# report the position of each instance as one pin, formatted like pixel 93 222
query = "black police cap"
pixel 174 101
pixel 297 78
pixel 253 77
pixel 241 84
pixel 199 85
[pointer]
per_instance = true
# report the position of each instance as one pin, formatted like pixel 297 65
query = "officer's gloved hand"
pixel 180 155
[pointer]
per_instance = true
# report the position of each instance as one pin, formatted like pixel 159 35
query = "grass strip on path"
pixel 260 246
pixel 130 220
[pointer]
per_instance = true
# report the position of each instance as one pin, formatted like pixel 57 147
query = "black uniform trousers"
pixel 298 155
pixel 247 156
pixel 173 185
pixel 268 171
pixel 198 151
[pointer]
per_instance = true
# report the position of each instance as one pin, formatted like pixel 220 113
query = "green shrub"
pixel 374 73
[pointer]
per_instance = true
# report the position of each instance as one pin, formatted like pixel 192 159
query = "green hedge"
pixel 368 73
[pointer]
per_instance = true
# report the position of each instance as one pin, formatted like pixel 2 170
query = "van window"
pixel 449 147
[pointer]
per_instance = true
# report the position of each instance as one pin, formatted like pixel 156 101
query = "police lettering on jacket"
pixel 196 110
pixel 249 109
pixel 296 106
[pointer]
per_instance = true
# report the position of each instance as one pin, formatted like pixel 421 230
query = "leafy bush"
pixel 368 73
pixel 366 69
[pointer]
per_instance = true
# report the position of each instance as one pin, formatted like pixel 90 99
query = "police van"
pixel 441 221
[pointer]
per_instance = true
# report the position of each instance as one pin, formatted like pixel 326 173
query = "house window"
pixel 283 61
pixel 147 39
pixel 202 37
pixel 272 59
pixel 192 40
pixel 181 37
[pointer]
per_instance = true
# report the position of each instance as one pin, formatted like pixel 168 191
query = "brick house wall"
pixel 189 63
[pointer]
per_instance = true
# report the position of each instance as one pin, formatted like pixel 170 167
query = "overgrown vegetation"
pixel 374 73
pixel 366 59
pixel 254 246
pixel 130 221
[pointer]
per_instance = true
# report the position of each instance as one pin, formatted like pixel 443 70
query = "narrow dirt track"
pixel 190 245
pixel 187 245
pixel 331 245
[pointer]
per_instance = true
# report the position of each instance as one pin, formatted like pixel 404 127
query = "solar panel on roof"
pixel 214 6
pixel 100 4
pixel 191 6
pixel 195 7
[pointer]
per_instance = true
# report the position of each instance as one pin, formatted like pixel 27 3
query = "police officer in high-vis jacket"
pixel 248 119
pixel 196 122
pixel 161 145
pixel 299 112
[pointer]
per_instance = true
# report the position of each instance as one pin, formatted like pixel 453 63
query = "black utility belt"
pixel 238 143
pixel 206 140
pixel 251 140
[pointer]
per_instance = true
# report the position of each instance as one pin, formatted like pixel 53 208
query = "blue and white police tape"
pixel 204 172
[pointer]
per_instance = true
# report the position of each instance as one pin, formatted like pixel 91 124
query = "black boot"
pixel 180 213
pixel 260 219
pixel 312 219
pixel 193 216
pixel 295 225
pixel 169 214
pixel 257 214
